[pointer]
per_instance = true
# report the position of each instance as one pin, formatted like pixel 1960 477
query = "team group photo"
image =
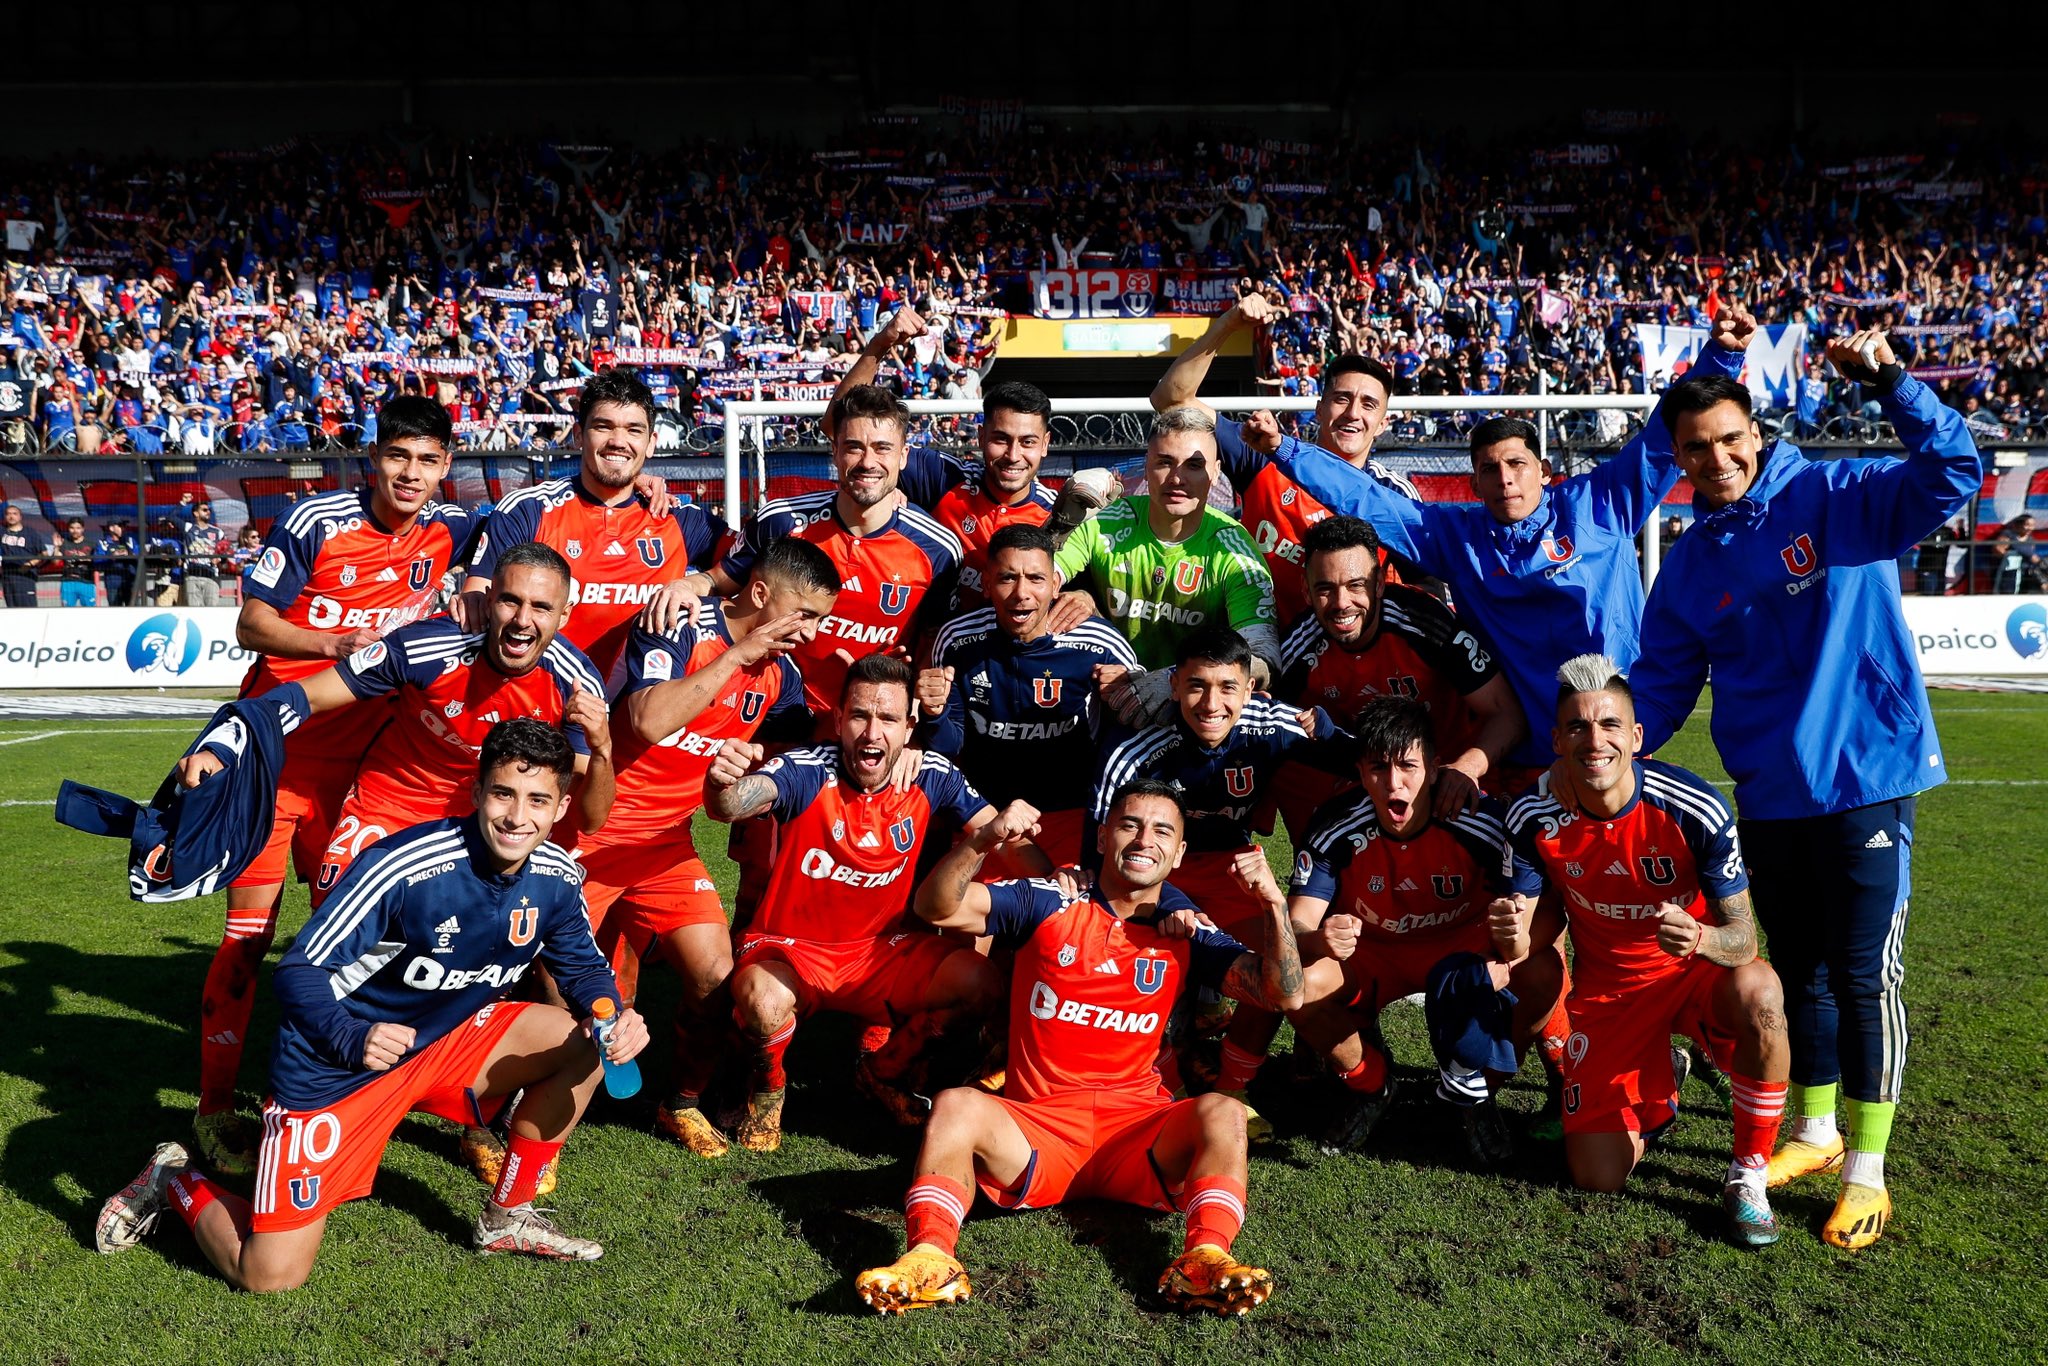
pixel 804 703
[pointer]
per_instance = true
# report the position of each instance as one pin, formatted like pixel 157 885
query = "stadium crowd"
pixel 273 300
pixel 994 760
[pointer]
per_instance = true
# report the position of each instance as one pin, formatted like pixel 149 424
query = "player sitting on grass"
pixel 1391 898
pixel 833 931
pixel 1642 863
pixel 393 1002
pixel 1083 1111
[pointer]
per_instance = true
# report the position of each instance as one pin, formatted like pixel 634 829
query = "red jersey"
pixel 1433 882
pixel 1091 992
pixel 619 556
pixel 891 582
pixel 1674 841
pixel 848 859
pixel 424 762
pixel 1420 651
pixel 975 518
pixel 660 786
pixel 1278 512
pixel 328 566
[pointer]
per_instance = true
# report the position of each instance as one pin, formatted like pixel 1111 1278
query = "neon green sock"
pixel 1870 1125
pixel 1815 1101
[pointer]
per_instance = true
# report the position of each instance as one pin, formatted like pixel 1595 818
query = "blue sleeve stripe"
pixel 1707 809
pixel 1127 761
pixel 962 630
pixel 345 914
pixel 1360 818
pixel 570 663
pixel 306 515
pixel 920 525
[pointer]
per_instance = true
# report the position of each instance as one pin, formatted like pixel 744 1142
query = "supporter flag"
pixel 1772 368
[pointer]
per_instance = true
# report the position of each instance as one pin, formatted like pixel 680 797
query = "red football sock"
pixel 1556 1030
pixel 768 1073
pixel 1759 1106
pixel 225 1005
pixel 191 1193
pixel 933 1211
pixel 1370 1074
pixel 1238 1067
pixel 525 1158
pixel 1215 1209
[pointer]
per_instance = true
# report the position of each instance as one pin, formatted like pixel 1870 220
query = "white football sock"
pixel 1864 1169
pixel 1819 1130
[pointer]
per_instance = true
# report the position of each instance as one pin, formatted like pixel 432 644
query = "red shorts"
pixel 360 823
pixel 1299 790
pixel 1059 836
pixel 1206 880
pixel 314 1161
pixel 1617 1062
pixel 1087 1144
pixel 1382 971
pixel 309 799
pixel 637 891
pixel 880 981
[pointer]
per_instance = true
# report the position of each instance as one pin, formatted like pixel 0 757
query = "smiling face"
pixel 776 597
pixel 1141 843
pixel 1344 593
pixel 516 808
pixel 1719 450
pixel 1211 696
pixel 1509 479
pixel 408 469
pixel 1596 736
pixel 528 605
pixel 1021 585
pixel 615 439
pixel 874 726
pixel 1012 448
pixel 1399 788
pixel 1350 415
pixel 868 454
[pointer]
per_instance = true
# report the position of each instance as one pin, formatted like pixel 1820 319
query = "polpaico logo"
pixel 2026 630
pixel 165 644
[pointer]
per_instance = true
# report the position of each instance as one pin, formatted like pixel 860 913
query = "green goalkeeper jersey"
pixel 1158 592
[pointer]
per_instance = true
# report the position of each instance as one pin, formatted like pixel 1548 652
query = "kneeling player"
pixel 831 932
pixel 1643 865
pixel 1389 899
pixel 393 1002
pixel 1083 1112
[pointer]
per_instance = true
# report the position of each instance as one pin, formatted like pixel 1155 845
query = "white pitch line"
pixel 96 730
pixel 45 802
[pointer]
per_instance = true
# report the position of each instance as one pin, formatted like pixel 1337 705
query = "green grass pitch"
pixel 1398 1254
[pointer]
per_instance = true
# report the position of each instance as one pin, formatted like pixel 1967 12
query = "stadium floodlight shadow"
pixel 100 1068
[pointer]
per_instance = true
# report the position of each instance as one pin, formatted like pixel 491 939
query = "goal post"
pixel 1106 426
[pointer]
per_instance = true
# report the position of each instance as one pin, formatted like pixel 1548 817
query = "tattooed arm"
pixel 1727 936
pixel 949 897
pixel 1271 978
pixel 731 793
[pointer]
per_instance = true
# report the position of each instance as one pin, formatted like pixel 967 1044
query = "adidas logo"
pixel 493 717
pixel 1407 884
pixel 1878 841
pixel 227 1038
pixel 1617 869
pixel 387 575
pixel 1106 967
pixel 449 926
pixel 868 841
pixel 852 585
pixel 615 549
